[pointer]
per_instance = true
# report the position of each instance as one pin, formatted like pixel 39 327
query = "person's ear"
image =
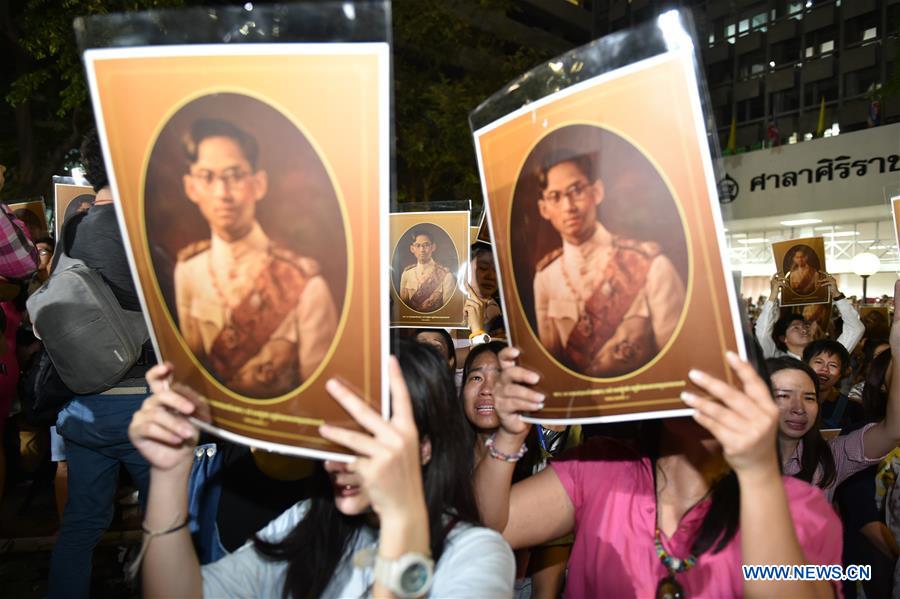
pixel 260 184
pixel 599 192
pixel 425 450
pixel 190 189
pixel 542 208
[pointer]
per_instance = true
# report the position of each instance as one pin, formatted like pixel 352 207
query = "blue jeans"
pixel 95 429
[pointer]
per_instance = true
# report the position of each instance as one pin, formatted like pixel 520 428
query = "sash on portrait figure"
pixel 253 321
pixel 605 309
pixel 430 295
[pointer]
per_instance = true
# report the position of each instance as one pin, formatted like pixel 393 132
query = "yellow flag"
pixel 731 146
pixel 821 128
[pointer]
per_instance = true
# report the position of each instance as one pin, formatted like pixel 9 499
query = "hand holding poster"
pixel 255 220
pixel 604 215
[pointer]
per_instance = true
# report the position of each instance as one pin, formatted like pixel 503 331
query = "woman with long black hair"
pixel 661 517
pixel 373 526
pixel 804 453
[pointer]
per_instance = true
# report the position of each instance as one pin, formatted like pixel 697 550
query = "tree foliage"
pixel 447 59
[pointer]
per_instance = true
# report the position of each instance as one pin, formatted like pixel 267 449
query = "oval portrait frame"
pixel 789 257
pixel 675 199
pixel 276 107
pixel 453 272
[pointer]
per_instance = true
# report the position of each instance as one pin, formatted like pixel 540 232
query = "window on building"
pixel 751 63
pixel 743 26
pixel 858 29
pixel 712 39
pixel 759 21
pixel 826 47
pixel 729 33
pixel 813 92
pixel 860 82
pixel 784 101
pixel 786 51
pixel 893 18
pixel 748 110
pixel 719 73
pixel 810 51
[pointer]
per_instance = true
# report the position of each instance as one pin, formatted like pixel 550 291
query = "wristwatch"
pixel 408 576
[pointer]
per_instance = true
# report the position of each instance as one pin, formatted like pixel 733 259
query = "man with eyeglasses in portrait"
pixel 425 286
pixel 605 304
pixel 258 316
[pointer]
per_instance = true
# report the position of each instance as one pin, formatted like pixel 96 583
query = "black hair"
pixel 480 247
pixel 420 231
pixel 319 542
pixel 448 343
pixel 581 160
pixel 781 327
pixel 816 452
pixel 92 161
pixel 829 348
pixel 46 239
pixel 723 518
pixel 874 397
pixel 205 128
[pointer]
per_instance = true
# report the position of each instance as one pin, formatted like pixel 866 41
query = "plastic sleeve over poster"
pixel 255 214
pixel 599 186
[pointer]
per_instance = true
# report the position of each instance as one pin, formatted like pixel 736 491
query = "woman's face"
pixel 485 274
pixel 478 394
pixel 795 394
pixel 349 497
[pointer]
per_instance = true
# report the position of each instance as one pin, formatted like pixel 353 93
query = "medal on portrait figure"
pixel 603 211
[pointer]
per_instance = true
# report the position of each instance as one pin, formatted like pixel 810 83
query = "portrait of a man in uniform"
pixel 605 304
pixel 257 315
pixel 802 270
pixel 427 285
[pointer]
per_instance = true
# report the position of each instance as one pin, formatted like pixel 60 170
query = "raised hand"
pixel 744 422
pixel 160 430
pixel 474 310
pixel 513 395
pixel 390 457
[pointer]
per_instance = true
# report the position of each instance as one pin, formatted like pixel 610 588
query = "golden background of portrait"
pixel 664 128
pixel 453 227
pixel 341 119
pixel 63 194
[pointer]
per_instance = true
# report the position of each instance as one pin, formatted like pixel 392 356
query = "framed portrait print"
pixel 604 217
pixel 256 222
pixel 802 264
pixel 69 199
pixel 34 216
pixel 429 263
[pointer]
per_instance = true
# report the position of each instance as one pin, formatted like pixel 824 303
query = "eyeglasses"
pixel 231 178
pixel 423 246
pixel 574 192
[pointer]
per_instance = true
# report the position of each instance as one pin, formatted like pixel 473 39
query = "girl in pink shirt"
pixel 676 517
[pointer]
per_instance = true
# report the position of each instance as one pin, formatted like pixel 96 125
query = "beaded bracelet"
pixel 504 457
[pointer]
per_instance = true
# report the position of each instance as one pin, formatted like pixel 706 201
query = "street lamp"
pixel 865 265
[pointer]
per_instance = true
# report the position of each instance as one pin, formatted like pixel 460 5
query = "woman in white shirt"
pixel 373 526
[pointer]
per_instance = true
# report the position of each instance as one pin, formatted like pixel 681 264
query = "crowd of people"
pixel 456 495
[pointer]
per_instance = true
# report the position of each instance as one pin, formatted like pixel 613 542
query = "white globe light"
pixel 865 264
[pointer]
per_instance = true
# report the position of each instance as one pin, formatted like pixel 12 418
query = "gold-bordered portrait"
pixel 606 227
pixel 33 215
pixel 248 213
pixel 429 258
pixel 801 263
pixel 69 200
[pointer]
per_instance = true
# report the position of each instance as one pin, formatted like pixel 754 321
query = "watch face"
pixel 414 578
